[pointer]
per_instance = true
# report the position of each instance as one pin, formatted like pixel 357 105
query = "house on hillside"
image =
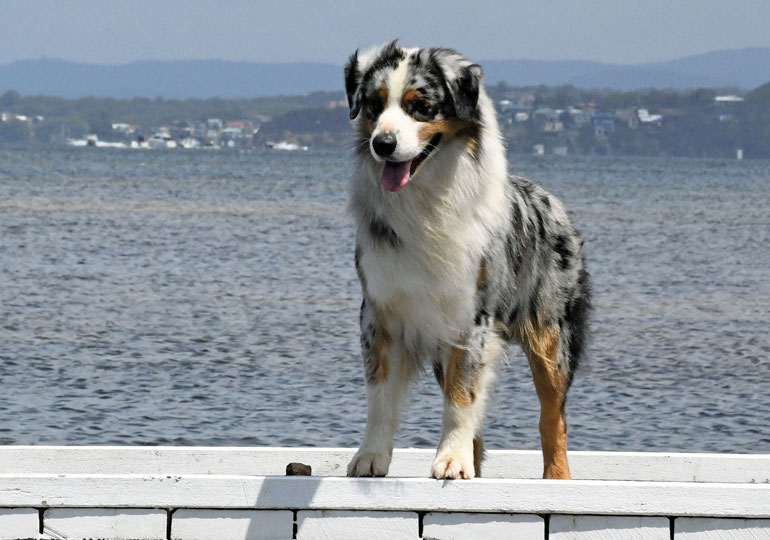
pixel 580 117
pixel 504 105
pixel 725 106
pixel 604 124
pixel 628 116
pixel 233 134
pixel 649 120
pixel 547 120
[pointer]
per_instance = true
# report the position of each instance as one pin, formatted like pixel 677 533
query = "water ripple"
pixel 210 298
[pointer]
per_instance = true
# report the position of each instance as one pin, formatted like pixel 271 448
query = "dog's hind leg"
pixel 478 452
pixel 387 379
pixel 542 347
pixel 466 371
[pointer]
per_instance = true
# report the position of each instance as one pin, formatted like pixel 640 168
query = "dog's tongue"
pixel 395 175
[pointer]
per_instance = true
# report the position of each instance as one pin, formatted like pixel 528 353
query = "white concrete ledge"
pixel 393 494
pixel 642 466
pixel 242 494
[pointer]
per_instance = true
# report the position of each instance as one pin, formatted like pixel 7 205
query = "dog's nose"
pixel 384 144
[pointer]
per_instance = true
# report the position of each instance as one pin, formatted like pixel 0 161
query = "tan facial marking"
pixel 383 92
pixel 409 96
pixel 470 135
pixel 452 127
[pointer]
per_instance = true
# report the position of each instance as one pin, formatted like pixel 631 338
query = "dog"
pixel 456 258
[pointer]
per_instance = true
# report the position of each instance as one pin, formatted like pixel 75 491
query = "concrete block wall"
pixel 189 524
pixel 87 523
pixel 248 524
pixel 343 525
pixel 608 528
pixel 19 523
pixel 468 526
pixel 721 529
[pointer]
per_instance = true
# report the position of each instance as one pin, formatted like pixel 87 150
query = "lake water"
pixel 209 298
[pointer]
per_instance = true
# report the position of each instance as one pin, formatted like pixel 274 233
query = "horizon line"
pixel 330 63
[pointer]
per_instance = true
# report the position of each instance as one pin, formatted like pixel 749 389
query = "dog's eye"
pixel 421 110
pixel 373 108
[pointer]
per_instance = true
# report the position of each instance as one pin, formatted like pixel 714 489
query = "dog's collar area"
pixel 422 156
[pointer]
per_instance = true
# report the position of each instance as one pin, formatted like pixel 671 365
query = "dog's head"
pixel 408 102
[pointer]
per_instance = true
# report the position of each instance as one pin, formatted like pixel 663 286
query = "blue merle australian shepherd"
pixel 455 257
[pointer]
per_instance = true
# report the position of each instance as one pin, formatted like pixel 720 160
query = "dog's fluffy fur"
pixel 455 257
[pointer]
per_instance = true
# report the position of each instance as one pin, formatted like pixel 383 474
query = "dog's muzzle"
pixel 384 144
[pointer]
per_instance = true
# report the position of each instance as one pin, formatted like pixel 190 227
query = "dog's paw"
pixel 453 466
pixel 366 463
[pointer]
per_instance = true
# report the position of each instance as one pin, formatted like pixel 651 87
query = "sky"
pixel 613 31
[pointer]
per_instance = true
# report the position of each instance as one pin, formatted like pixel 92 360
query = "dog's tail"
pixel 576 318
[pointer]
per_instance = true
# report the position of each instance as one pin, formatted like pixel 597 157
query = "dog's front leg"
pixel 386 384
pixel 466 374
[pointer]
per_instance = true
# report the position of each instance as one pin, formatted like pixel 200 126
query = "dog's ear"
pixel 353 85
pixel 465 91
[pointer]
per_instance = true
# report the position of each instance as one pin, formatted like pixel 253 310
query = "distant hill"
pixel 743 68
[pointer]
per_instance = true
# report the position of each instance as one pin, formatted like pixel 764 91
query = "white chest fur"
pixel 426 281
pixel 425 287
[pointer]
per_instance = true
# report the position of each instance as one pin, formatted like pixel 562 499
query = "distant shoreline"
pixel 542 120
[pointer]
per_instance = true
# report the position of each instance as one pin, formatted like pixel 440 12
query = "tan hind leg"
pixel 541 344
pixel 478 453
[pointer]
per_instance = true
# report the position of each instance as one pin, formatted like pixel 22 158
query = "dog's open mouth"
pixel 395 175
